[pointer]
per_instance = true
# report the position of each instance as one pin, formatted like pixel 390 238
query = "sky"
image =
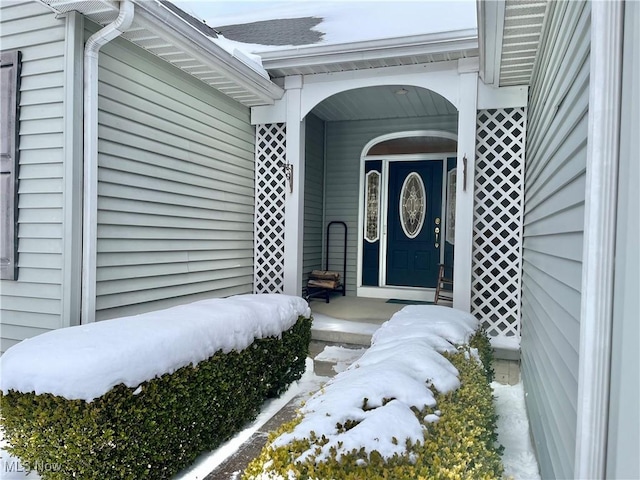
pixel 375 19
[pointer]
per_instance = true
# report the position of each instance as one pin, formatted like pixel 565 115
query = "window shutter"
pixel 9 89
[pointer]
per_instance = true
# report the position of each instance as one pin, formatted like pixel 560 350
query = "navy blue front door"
pixel 413 216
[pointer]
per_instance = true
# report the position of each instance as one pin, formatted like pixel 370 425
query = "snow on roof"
pixel 403 362
pixel 86 361
pixel 341 22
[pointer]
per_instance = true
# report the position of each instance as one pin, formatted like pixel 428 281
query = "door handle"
pixel 437 231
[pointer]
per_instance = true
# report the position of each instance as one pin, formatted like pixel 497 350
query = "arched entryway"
pixel 316 134
pixel 387 129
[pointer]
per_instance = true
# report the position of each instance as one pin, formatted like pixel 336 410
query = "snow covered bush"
pixel 417 405
pixel 142 397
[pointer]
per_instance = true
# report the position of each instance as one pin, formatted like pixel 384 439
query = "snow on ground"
pixel 86 361
pixel 11 468
pixel 342 357
pixel 513 432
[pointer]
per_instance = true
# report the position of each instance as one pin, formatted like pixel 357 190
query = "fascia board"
pixel 491 28
pixel 485 39
pixel 455 41
pixel 180 33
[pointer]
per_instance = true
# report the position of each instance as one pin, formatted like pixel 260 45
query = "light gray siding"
pixel 33 304
pixel 313 196
pixel 553 233
pixel 624 419
pixel 345 141
pixel 176 187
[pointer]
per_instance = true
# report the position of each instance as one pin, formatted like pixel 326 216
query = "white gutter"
pixel 153 17
pixel 90 135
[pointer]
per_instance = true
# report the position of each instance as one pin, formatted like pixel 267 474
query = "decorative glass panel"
pixel 372 214
pixel 413 205
pixel 450 236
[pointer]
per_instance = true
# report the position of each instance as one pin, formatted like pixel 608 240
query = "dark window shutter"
pixel 9 89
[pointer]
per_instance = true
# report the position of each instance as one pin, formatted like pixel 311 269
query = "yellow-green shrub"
pixel 462 444
pixel 155 431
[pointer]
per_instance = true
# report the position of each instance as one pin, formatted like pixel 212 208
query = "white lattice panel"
pixel 269 216
pixel 497 226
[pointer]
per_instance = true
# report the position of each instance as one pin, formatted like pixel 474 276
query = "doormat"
pixel 408 302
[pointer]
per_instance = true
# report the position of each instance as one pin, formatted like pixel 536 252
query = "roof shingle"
pixel 283 31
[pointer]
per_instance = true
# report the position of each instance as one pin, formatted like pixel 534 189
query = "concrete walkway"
pixel 234 466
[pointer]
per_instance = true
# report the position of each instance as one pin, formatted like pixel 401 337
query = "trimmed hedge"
pixel 161 427
pixel 462 444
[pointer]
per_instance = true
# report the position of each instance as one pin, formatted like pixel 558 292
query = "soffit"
pixel 382 102
pixel 521 36
pixel 161 32
pixel 510 32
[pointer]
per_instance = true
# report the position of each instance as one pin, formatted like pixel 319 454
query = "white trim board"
pixel 400 293
pixel 599 239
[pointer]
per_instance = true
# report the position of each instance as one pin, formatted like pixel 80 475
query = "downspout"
pixel 90 137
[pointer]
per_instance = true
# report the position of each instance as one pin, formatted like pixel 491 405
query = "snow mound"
pixel 452 325
pixel 86 361
pixel 375 394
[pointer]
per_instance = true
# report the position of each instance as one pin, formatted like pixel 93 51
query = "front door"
pixel 414 232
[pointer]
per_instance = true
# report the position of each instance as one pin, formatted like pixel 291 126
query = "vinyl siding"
pixel 176 187
pixel 313 196
pixel 553 233
pixel 345 141
pixel 33 304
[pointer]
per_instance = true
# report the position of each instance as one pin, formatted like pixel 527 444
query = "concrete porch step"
pixel 506 360
pixel 339 332
pixel 335 344
pixel 330 359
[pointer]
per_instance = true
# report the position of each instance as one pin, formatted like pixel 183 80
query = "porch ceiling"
pixel 383 102
pixel 177 41
pixel 509 38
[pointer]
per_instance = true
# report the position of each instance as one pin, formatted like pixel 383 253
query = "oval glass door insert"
pixel 413 205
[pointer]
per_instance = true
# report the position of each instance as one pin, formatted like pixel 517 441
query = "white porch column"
pixel 294 202
pixel 464 190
